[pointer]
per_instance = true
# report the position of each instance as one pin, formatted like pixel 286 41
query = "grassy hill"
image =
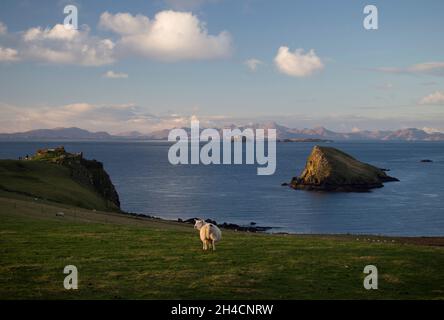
pixel 124 257
pixel 48 182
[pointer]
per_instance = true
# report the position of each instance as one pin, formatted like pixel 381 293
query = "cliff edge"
pixel 58 176
pixel 89 173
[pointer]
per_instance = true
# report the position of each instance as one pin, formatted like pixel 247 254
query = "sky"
pixel 141 65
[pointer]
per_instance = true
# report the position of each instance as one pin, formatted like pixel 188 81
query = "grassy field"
pixel 122 257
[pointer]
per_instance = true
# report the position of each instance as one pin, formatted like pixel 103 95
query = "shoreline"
pixel 376 238
pixel 48 209
pixel 252 227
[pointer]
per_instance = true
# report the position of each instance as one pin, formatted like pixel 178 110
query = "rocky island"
pixel 329 169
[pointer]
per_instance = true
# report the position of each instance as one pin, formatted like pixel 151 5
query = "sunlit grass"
pixel 120 257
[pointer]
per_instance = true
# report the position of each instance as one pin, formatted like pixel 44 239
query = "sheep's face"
pixel 199 224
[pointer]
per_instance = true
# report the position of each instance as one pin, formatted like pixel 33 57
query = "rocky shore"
pixel 252 227
pixel 231 226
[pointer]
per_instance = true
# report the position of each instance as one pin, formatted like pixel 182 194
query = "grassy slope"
pixel 47 181
pixel 125 257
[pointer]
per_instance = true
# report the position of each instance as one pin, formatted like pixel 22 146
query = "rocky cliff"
pixel 89 173
pixel 330 169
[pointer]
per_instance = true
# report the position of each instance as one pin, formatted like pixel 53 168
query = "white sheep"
pixel 209 233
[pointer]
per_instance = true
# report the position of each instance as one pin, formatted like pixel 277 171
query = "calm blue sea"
pixel 147 183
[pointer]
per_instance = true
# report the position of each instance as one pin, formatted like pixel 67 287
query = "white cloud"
pixel 436 98
pixel 170 36
pixel 59 45
pixel 8 55
pixel 297 64
pixel 58 32
pixel 427 68
pixel 253 64
pixel 115 75
pixel 124 23
pixel 3 28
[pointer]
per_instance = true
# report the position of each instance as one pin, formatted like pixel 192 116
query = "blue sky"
pixel 388 78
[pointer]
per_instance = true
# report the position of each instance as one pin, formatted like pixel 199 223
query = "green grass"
pixel 120 257
pixel 47 181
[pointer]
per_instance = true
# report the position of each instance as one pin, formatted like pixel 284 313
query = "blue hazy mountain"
pixel 283 132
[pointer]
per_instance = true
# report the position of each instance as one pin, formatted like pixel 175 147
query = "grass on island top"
pixel 123 257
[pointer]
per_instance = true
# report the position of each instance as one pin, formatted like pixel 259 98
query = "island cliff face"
pixel 86 172
pixel 330 169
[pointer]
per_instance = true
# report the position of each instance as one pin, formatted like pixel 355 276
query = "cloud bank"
pixel 169 36
pixel 93 117
pixel 426 68
pixel 129 117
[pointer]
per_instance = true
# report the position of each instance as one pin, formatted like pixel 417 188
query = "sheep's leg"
pixel 204 245
pixel 214 245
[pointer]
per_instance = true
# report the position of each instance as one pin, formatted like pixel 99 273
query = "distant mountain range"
pixel 57 134
pixel 283 132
